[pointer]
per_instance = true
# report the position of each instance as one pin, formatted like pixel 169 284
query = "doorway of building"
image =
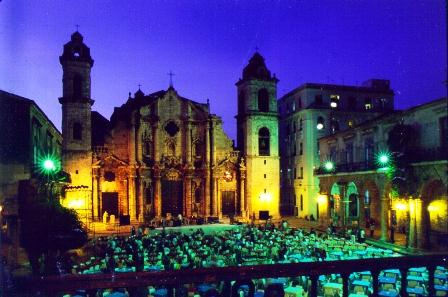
pixel 109 203
pixel 228 203
pixel 172 197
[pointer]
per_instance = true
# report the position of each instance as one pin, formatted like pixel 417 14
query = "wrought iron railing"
pixel 246 275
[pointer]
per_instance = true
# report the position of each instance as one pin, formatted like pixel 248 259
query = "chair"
pixel 412 283
pixel 388 287
pixel 359 289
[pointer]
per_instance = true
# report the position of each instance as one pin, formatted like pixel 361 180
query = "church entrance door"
pixel 228 203
pixel 172 197
pixel 110 203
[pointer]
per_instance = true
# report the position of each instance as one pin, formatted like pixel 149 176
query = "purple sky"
pixel 207 43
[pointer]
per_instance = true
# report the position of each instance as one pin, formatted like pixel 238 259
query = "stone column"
pixel 132 198
pixel 131 144
pixel 344 201
pixel 217 208
pixel 207 144
pixel 95 197
pixel 242 197
pixel 214 198
pixel 384 214
pixel 412 215
pixel 100 200
pixel 423 223
pixel 141 191
pixel 155 144
pixel 361 209
pixel 188 196
pixel 188 142
pixel 158 196
pixel 207 193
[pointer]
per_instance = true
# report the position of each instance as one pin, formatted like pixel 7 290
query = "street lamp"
pixel 384 159
pixel 329 166
pixel 48 165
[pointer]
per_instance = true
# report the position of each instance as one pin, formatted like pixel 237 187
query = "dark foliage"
pixel 47 228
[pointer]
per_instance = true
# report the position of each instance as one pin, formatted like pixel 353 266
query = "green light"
pixel 329 166
pixel 383 159
pixel 49 165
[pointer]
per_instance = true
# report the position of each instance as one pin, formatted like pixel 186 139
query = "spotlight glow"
pixel 329 166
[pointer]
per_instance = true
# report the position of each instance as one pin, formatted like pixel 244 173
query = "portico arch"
pixel 433 212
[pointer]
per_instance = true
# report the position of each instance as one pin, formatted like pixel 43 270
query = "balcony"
pixel 347 167
pixel 404 268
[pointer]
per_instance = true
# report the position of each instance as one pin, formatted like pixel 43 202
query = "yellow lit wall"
pixel 438 215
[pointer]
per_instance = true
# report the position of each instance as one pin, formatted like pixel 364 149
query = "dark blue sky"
pixel 207 43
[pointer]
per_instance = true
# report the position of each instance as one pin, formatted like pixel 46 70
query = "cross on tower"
pixel 139 86
pixel 171 74
pixel 77 27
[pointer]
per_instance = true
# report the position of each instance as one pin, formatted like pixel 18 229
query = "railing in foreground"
pixel 313 270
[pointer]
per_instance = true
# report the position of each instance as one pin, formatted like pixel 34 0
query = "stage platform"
pixel 99 229
pixel 207 228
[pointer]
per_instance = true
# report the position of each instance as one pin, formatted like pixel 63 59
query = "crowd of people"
pixel 240 245
pixel 171 249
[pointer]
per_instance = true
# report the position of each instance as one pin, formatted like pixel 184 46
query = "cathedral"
pixel 162 154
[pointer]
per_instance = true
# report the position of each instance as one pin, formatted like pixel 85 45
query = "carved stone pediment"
pixel 171 161
pixel 172 174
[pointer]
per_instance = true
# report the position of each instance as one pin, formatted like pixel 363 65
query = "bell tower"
pixel 76 111
pixel 257 136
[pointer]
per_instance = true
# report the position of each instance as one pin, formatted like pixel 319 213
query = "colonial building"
pixel 27 138
pixel 405 190
pixel 161 154
pixel 310 112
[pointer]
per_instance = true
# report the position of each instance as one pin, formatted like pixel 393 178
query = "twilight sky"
pixel 206 43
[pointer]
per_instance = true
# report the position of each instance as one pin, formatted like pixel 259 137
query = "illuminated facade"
pixel 362 186
pixel 312 111
pixel 161 154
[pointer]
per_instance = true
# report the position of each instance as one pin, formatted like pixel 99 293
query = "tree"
pixel 401 143
pixel 47 228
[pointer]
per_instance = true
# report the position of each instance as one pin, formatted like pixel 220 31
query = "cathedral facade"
pixel 161 154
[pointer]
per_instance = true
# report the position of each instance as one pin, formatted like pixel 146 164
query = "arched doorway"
pixel 434 221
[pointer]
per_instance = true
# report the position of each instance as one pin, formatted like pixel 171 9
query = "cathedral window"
pixel 263 142
pixel 368 103
pixel 148 194
pixel 77 86
pixel 109 176
pixel 197 195
pixel 198 149
pixel 171 128
pixel 263 100
pixel 334 126
pixel 77 131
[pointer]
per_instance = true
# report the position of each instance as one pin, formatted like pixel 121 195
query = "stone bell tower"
pixel 257 136
pixel 76 111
